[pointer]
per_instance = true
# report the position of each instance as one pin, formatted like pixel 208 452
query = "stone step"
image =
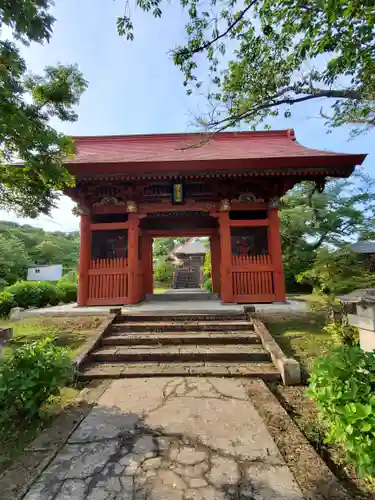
pixel 180 296
pixel 265 371
pixel 226 316
pixel 167 354
pixel 179 326
pixel 182 338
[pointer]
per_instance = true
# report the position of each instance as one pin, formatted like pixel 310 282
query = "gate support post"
pixel 215 262
pixel 147 265
pixel 84 260
pixel 133 264
pixel 274 243
pixel 226 258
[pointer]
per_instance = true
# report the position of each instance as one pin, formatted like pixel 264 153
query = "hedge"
pixel 29 294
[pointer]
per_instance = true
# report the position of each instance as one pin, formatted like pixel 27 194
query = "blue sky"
pixel 135 88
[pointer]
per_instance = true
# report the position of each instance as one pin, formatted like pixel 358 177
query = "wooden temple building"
pixel 131 189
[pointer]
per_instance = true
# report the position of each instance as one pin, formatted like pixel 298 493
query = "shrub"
pixel 29 376
pixel 207 285
pixel 67 291
pixel 163 272
pixel 207 265
pixel 6 303
pixel 34 293
pixel 342 333
pixel 342 385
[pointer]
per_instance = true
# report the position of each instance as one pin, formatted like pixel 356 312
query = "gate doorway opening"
pixel 178 263
pixel 174 246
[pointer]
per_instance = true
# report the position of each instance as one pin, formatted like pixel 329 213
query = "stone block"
pixel 367 340
pixel 366 312
pixel 362 322
pixel 16 313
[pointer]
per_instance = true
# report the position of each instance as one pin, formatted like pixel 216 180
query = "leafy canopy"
pixel 31 151
pixel 22 246
pixel 282 52
pixel 312 221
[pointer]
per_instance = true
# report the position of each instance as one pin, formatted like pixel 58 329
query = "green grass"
pixel 12 446
pixel 311 299
pixel 300 336
pixel 161 290
pixel 70 332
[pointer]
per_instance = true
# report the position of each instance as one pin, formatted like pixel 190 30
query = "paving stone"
pixel 190 456
pixel 223 471
pixel 273 483
pixel 101 424
pixel 169 439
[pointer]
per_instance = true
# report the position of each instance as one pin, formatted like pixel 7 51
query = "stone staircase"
pixel 184 278
pixel 141 345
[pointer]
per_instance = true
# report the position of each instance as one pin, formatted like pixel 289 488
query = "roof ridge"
pixel 289 133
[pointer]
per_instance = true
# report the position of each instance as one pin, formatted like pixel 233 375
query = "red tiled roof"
pixel 188 147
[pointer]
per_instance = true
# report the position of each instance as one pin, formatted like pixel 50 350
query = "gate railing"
pixel 252 278
pixel 108 281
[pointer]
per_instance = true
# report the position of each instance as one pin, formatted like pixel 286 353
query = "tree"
pixel 163 246
pixel 32 152
pixel 285 52
pixel 21 246
pixel 14 260
pixel 337 272
pixel 311 220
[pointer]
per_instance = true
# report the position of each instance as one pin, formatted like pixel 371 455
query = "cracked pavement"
pixel 169 439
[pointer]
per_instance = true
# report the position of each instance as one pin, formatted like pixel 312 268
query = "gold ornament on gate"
pixel 131 206
pixel 224 205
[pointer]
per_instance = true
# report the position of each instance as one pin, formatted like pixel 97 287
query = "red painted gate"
pixel 108 282
pixel 252 278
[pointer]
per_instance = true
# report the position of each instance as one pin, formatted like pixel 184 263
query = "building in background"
pixel 45 273
pixel 191 256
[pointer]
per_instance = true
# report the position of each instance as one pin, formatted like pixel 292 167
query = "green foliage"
pixel 162 247
pixel 163 272
pixel 342 333
pixel 24 245
pixel 207 284
pixel 67 291
pixel 29 294
pixel 337 272
pixel 311 220
pixel 6 303
pixel 34 293
pixel 207 265
pixel 281 54
pixel 342 385
pixel 28 103
pixel 29 376
pixel 14 258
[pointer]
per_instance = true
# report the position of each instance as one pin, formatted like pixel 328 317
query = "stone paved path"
pixel 169 439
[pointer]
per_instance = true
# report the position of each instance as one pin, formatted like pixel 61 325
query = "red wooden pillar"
pixel 274 243
pixel 134 276
pixel 84 260
pixel 215 262
pixel 225 258
pixel 147 264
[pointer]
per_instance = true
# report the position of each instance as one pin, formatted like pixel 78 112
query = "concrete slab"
pixel 166 307
pixel 169 439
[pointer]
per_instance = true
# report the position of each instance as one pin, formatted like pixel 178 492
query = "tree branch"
pixel 206 45
pixel 311 94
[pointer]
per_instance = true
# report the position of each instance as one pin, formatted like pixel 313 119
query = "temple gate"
pixel 131 189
